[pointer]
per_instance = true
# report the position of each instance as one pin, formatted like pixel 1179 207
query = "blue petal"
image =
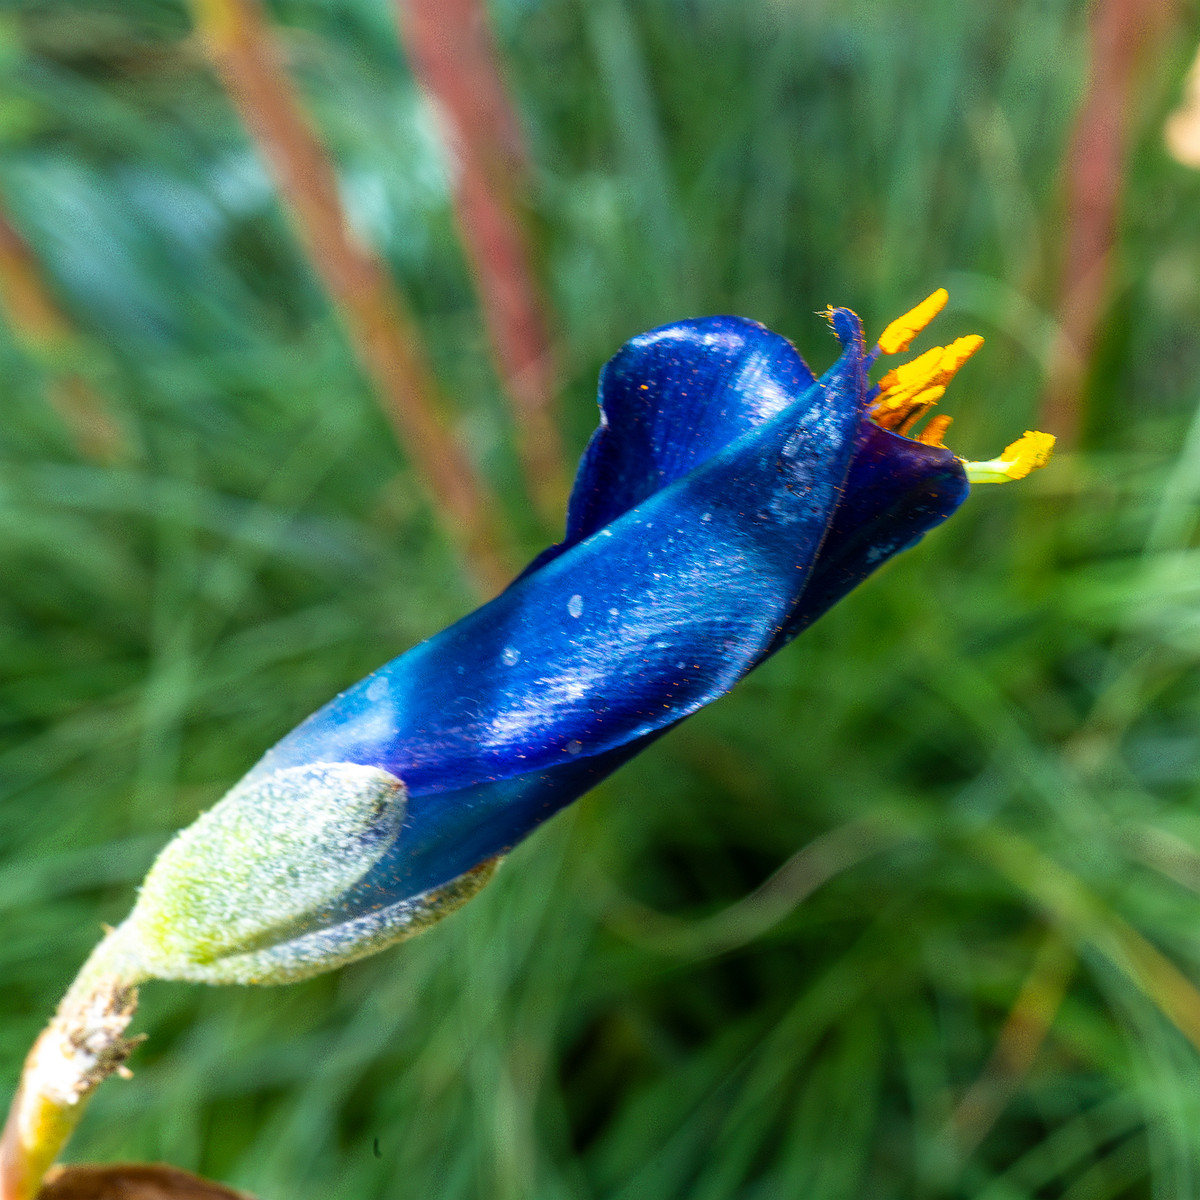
pixel 656 614
pixel 672 398
pixel 669 400
pixel 896 492
pixel 446 834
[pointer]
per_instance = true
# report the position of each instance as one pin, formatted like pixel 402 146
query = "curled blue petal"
pixel 669 400
pixel 656 614
pixel 672 398
pixel 896 492
pixel 522 747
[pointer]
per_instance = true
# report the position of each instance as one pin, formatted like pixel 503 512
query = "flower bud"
pixel 261 888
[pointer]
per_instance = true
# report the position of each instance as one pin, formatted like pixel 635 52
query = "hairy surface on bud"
pixel 271 861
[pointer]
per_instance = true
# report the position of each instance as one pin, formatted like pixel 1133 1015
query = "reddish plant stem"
pixel 44 331
pixel 240 43
pixel 1122 34
pixel 1021 1038
pixel 454 58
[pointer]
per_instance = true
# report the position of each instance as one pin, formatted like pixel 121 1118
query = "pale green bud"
pixel 254 890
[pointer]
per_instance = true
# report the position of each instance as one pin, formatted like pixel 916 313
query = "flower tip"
pixel 844 322
pixel 899 335
pixel 1022 457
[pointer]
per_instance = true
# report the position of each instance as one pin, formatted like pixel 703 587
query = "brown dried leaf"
pixel 131 1181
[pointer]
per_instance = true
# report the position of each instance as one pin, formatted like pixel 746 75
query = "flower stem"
pixel 80 1048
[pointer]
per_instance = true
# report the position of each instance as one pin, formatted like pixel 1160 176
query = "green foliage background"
pixel 987 758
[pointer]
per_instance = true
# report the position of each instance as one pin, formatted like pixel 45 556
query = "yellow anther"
pixel 915 386
pixel 917 373
pixel 955 355
pixel 898 336
pixel 933 368
pixel 927 397
pixel 918 405
pixel 935 432
pixel 1024 455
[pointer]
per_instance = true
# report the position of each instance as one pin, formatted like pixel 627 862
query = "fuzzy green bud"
pixel 254 891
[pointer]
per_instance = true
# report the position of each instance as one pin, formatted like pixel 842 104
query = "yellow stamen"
pixel 956 354
pixel 908 391
pixel 924 399
pixel 898 336
pixel 917 385
pixel 1024 455
pixel 935 367
pixel 912 374
pixel 934 433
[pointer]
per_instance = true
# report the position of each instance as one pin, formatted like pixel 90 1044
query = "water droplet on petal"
pixel 511 656
pixel 377 689
pixel 574 746
pixel 575 605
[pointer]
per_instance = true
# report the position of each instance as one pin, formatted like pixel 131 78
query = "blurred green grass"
pixel 1000 733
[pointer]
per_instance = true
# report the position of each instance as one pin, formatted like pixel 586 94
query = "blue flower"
pixel 727 500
